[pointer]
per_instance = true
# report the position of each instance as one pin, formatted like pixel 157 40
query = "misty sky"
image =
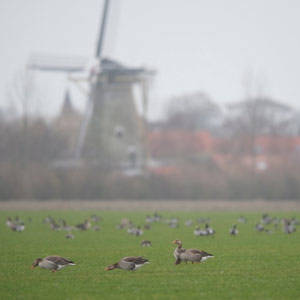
pixel 226 48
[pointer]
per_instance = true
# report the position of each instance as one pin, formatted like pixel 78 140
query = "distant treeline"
pixel 39 181
pixel 253 152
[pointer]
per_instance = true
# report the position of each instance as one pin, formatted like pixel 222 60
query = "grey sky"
pixel 195 45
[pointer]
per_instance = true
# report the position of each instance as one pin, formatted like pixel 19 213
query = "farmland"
pixel 251 265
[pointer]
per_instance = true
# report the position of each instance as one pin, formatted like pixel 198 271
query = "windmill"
pixel 112 133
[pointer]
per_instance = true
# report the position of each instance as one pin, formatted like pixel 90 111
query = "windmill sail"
pixel 102 30
pixel 92 93
pixel 111 132
pixel 56 63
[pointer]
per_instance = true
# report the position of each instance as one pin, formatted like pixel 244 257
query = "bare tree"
pixel 192 112
pixel 253 120
pixel 260 116
pixel 25 135
pixel 22 94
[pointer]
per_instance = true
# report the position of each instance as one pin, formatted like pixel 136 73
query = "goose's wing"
pixel 202 253
pixel 48 264
pixel 136 260
pixel 126 264
pixel 58 260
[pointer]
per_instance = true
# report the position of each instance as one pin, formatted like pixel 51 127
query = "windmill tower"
pixel 115 133
pixel 112 133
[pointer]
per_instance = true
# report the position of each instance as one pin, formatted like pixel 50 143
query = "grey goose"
pixel 53 263
pixel 129 263
pixel 192 255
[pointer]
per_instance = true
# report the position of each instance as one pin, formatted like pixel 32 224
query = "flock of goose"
pixel 270 224
pixel 130 263
pixel 62 225
pixel 16 225
pixel 267 224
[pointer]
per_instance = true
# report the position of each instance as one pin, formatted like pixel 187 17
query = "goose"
pixel 242 219
pixel 69 236
pixel 266 219
pixel 19 227
pixel 65 226
pixel 83 226
pixel 17 220
pixel 193 255
pixel 157 217
pixel 294 221
pixel 9 222
pixel 188 222
pixel 95 218
pixel 129 263
pixel 53 263
pixel 200 232
pixel 48 219
pixel 209 230
pixel 149 219
pixel 233 230
pixel 288 227
pixel 174 220
pixel 131 229
pixel 54 226
pixel 259 227
pixel 197 231
pixel 135 230
pixel 146 243
pixel 203 220
pixel 173 223
pixel 139 231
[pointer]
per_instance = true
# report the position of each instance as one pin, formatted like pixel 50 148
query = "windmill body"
pixel 113 108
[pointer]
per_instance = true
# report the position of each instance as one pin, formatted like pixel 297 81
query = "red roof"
pixel 278 144
pixel 164 143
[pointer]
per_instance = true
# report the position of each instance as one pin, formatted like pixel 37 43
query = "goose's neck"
pixel 117 265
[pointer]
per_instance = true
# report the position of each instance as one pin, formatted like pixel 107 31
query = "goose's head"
pixel 111 267
pixel 36 263
pixel 178 242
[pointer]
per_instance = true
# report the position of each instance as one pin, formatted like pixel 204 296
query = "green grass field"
pixel 251 265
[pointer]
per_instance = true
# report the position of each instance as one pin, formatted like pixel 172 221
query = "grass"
pixel 251 265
